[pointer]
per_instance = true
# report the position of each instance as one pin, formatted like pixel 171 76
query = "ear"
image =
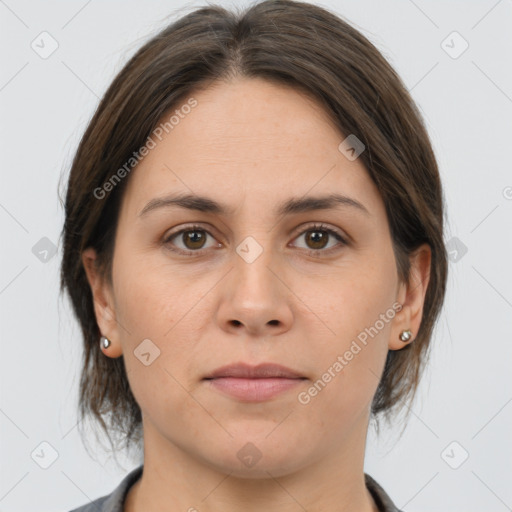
pixel 104 307
pixel 411 296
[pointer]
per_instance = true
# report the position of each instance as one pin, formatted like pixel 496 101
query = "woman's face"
pixel 254 283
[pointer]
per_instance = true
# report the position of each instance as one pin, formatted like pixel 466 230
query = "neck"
pixel 174 480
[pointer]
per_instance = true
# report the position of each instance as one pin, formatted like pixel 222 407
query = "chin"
pixel 258 457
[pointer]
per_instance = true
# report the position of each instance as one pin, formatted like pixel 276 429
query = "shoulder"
pixel 381 498
pixel 94 506
pixel 114 501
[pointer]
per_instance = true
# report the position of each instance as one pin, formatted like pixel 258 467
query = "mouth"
pixel 259 383
pixel 255 389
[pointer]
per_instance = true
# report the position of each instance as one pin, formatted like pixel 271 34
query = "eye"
pixel 193 238
pixel 317 238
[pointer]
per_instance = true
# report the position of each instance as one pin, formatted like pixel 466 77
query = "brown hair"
pixel 288 42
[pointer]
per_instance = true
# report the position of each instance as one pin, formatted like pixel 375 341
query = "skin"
pixel 252 144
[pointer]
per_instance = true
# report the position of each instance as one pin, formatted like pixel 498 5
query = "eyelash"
pixel 313 252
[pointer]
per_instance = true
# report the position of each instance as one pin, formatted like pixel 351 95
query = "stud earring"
pixel 405 335
pixel 105 342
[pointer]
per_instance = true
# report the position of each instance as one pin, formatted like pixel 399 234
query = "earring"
pixel 405 335
pixel 105 342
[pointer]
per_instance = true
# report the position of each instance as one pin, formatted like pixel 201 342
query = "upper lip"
pixel 260 371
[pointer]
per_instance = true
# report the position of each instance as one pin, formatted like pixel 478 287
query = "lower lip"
pixel 254 390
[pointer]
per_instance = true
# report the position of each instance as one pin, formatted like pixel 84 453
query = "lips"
pixel 261 371
pixel 248 383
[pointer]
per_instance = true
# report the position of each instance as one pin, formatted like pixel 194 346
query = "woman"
pixel 253 247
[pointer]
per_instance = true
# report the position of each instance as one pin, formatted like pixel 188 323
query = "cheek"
pixel 153 298
pixel 157 344
pixel 357 308
pixel 159 315
pixel 353 298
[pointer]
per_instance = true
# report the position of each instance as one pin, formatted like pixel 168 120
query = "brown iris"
pixel 196 237
pixel 318 238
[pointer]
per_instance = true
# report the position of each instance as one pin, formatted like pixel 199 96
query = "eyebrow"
pixel 288 207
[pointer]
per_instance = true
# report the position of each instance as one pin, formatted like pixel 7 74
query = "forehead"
pixel 248 138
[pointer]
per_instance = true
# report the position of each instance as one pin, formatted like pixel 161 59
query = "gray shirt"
pixel 114 501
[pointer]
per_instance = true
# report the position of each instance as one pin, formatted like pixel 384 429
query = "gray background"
pixel 466 394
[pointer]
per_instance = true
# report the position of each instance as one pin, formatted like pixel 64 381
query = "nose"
pixel 255 298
